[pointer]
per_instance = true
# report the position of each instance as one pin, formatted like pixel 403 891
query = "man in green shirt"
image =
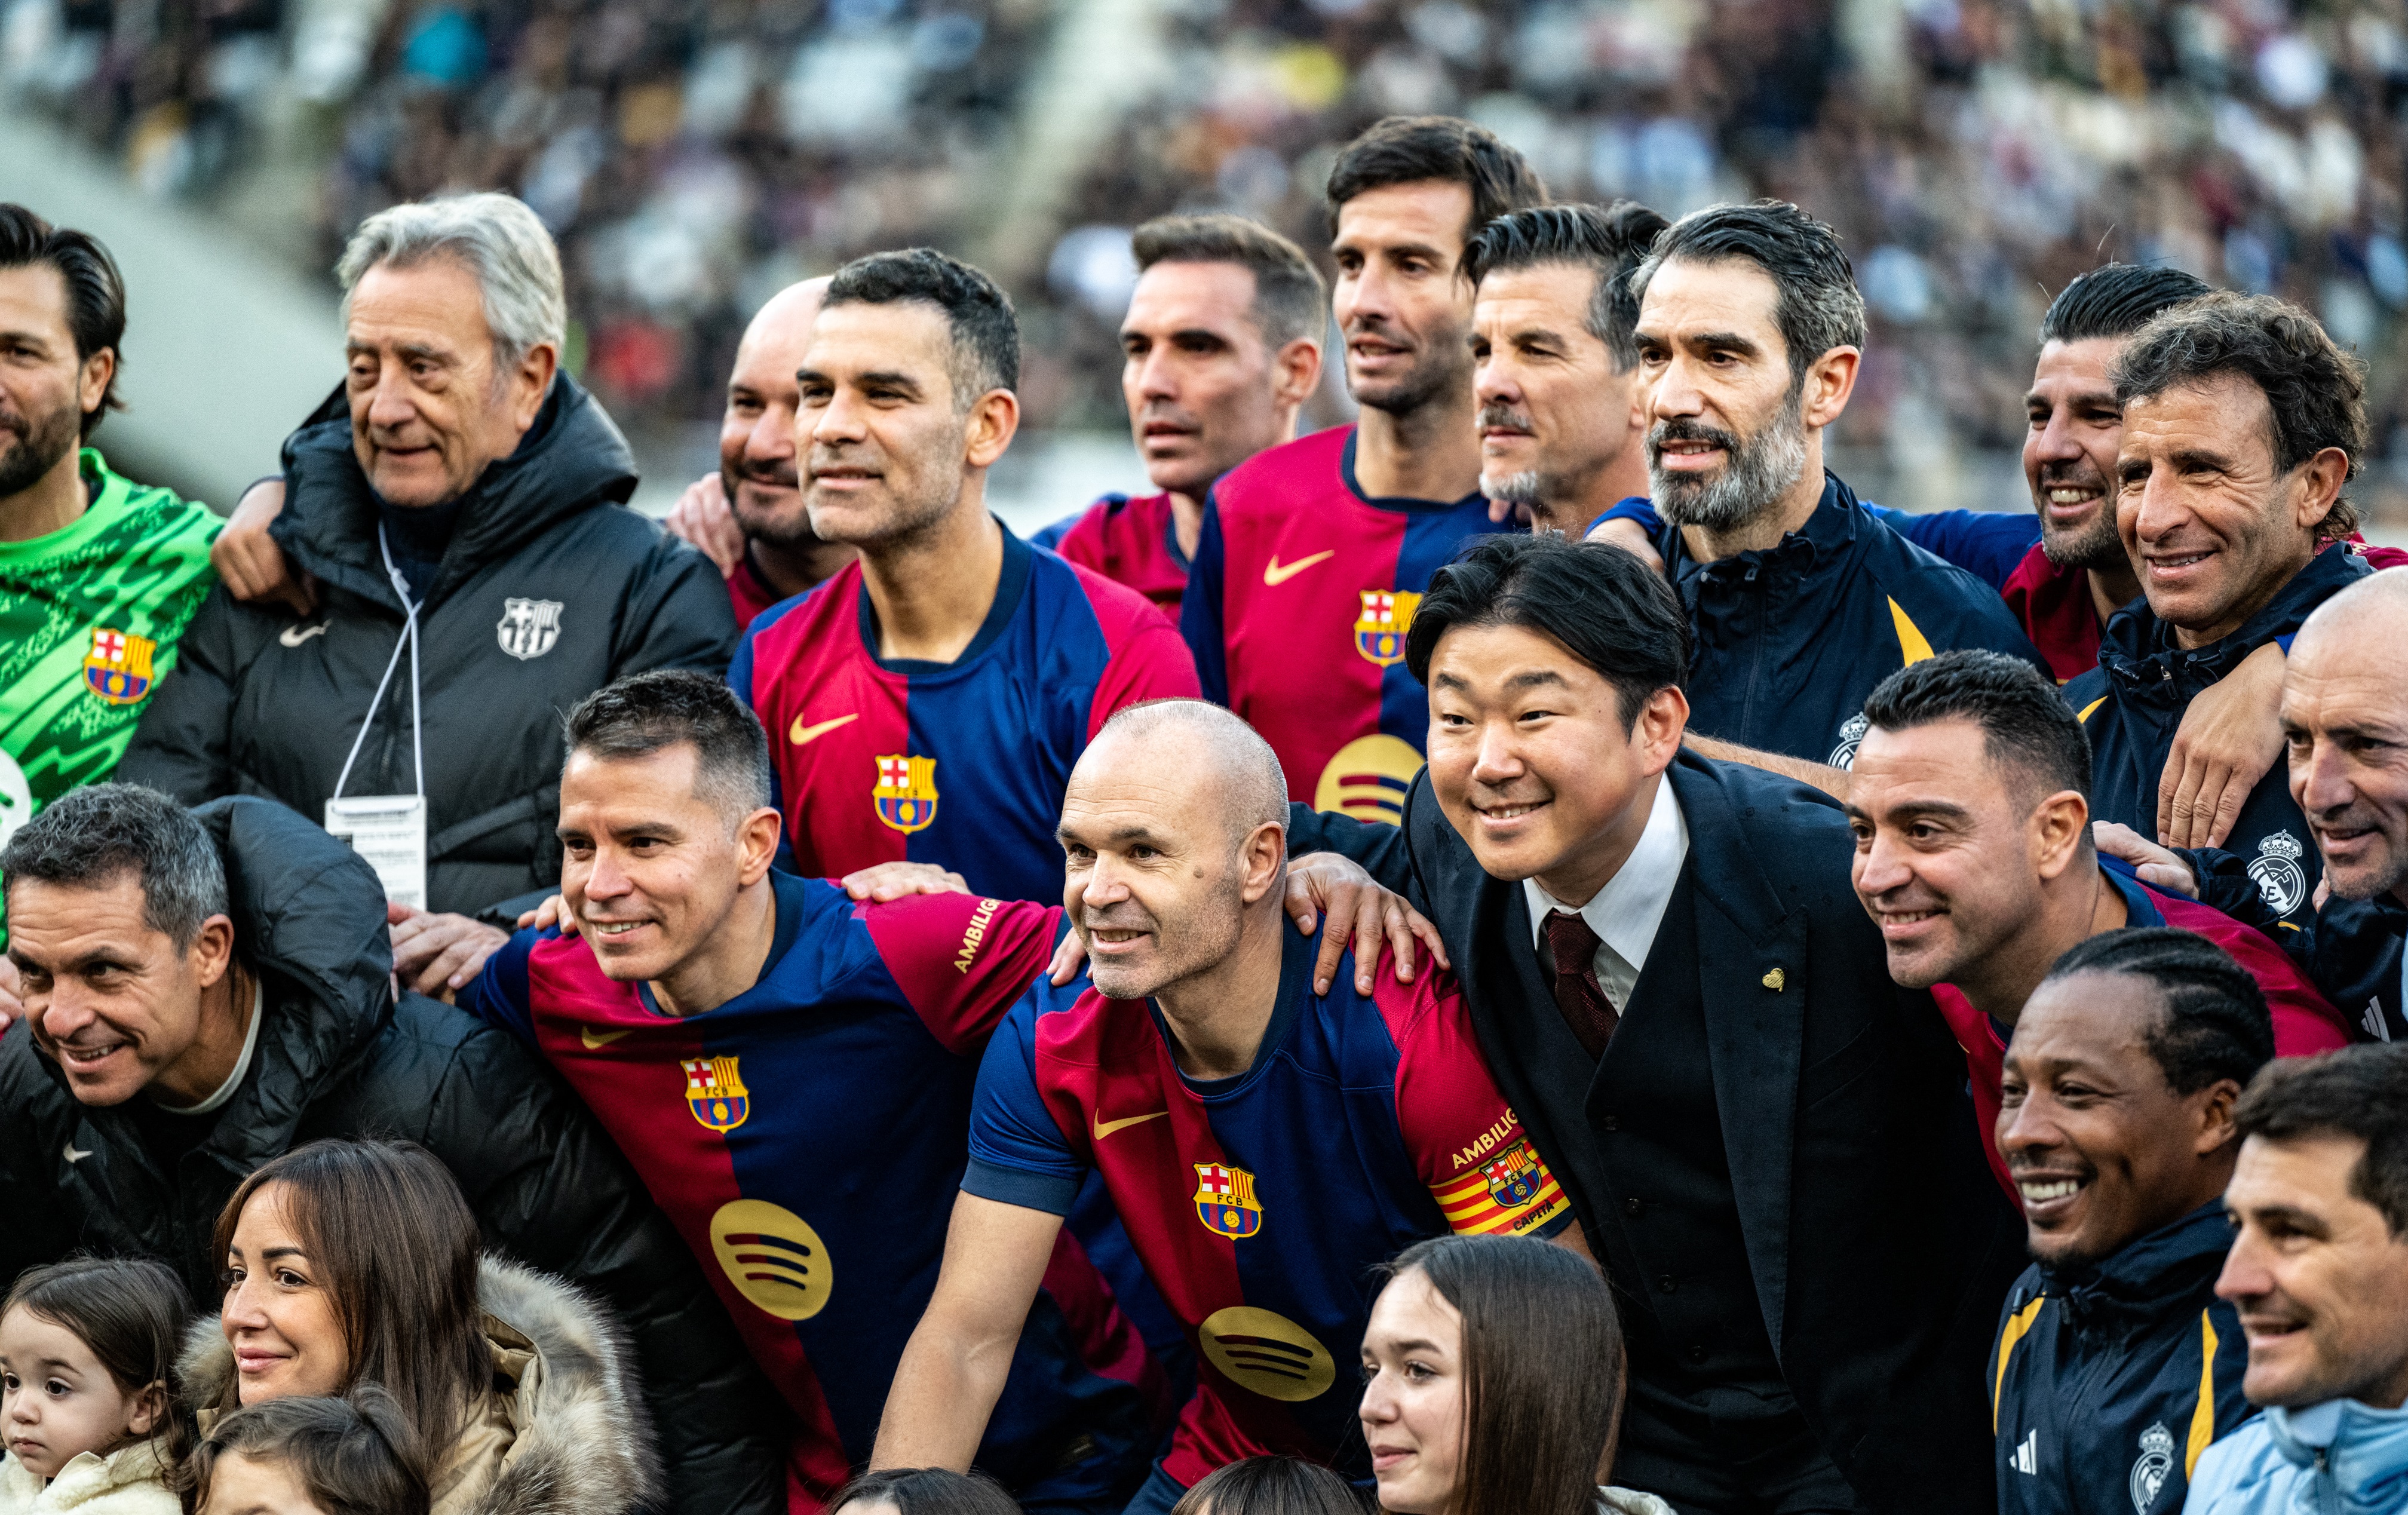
pixel 98 574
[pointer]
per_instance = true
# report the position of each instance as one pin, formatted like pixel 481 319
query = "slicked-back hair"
pixel 498 239
pixel 1290 299
pixel 95 291
pixel 1440 149
pixel 2118 299
pixel 2214 1024
pixel 925 1491
pixel 1817 307
pixel 2315 392
pixel 1610 241
pixel 1270 1486
pixel 978 318
pixel 2359 1092
pixel 648 712
pixel 1608 609
pixel 356 1456
pixel 90 837
pixel 1544 1370
pixel 2026 727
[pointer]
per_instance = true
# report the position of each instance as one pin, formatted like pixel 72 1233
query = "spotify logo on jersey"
pixel 1266 1351
pixel 775 1260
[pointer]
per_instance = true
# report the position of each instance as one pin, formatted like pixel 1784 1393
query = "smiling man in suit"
pixel 1766 1140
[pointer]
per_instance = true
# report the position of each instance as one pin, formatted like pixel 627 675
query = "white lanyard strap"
pixel 409 638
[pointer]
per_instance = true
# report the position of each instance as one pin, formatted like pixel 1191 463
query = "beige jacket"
pixel 128 1481
pixel 564 1431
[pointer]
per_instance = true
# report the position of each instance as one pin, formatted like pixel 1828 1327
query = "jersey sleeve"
pixel 961 961
pixel 1637 507
pixel 500 996
pixel 1988 544
pixel 1151 665
pixel 1018 1154
pixel 1470 1147
pixel 1200 608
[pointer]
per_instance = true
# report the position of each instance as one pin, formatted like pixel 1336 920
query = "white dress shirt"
pixel 1627 912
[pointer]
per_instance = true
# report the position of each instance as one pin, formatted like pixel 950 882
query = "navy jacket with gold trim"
pixel 2108 1382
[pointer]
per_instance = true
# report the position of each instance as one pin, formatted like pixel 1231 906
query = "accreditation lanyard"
pixel 389 830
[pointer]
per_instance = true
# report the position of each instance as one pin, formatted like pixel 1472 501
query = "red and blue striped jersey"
pixel 1129 539
pixel 1296 611
pixel 1259 1204
pixel 959 764
pixel 807 1138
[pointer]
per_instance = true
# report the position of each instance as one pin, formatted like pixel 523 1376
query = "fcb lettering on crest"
pixel 1226 1202
pixel 715 1092
pixel 118 667
pixel 1514 1177
pixel 528 627
pixel 1380 631
pixel 906 792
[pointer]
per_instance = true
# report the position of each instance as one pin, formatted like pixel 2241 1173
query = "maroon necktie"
pixel 1577 994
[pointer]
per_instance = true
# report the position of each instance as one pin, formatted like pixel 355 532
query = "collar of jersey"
pixel 1392 502
pixel 105 494
pixel 1296 955
pixel 1009 589
pixel 793 895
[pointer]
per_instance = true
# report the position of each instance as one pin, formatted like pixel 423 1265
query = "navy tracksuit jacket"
pixel 2109 1381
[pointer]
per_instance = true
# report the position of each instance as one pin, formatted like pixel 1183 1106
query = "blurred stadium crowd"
pixel 696 155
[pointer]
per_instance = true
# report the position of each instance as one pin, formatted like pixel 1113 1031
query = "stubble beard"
pixel 38 447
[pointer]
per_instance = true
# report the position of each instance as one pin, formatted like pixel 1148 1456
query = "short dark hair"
pixel 985 331
pixel 1817 306
pixel 926 1490
pixel 2215 1024
pixel 645 712
pixel 2118 299
pixel 1290 299
pixel 1270 1486
pixel 1608 240
pixel 131 1312
pixel 1611 610
pixel 95 291
pixel 2315 392
pixel 1421 149
pixel 356 1456
pixel 2359 1092
pixel 2024 723
pixel 89 838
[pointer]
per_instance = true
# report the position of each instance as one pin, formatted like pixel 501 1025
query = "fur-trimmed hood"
pixel 565 1431
pixel 130 1481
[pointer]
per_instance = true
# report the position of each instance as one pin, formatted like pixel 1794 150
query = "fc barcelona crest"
pixel 1226 1202
pixel 906 792
pixel 715 1093
pixel 1380 631
pixel 118 667
pixel 1514 1177
pixel 528 627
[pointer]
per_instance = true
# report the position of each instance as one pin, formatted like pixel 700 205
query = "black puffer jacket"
pixel 336 1057
pixel 550 589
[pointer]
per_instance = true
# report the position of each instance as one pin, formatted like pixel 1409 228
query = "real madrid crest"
pixel 528 627
pixel 2276 872
pixel 1852 734
pixel 2152 1467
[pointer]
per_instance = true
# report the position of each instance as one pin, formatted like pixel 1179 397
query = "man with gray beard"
pixel 1750 333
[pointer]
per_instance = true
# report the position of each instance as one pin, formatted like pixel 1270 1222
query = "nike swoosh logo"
pixel 595 1040
pixel 799 734
pixel 296 635
pixel 1105 1128
pixel 74 1156
pixel 1276 573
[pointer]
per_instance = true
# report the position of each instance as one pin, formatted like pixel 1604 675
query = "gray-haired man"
pixel 460 505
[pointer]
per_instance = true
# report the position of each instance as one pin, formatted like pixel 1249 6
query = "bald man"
pixel 750 516
pixel 1324 1131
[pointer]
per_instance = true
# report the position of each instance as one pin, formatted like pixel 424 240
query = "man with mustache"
pixel 1222 347
pixel 1313 555
pixel 2117 1363
pixel 1265 1142
pixel 1555 371
pixel 2318 1268
pixel 1750 330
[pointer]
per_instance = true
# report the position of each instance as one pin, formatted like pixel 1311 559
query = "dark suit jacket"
pixel 1879 1244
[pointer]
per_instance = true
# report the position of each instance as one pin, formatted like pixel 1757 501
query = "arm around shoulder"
pixel 676 615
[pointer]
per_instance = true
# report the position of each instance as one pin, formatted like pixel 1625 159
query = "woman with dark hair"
pixel 358 1262
pixel 922 1491
pixel 312 1456
pixel 1492 1382
pixel 1271 1486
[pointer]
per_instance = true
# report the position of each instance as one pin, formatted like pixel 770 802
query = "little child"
pixel 85 1413
pixel 355 1455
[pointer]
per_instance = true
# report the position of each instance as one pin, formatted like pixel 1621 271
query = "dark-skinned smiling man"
pixel 1767 1142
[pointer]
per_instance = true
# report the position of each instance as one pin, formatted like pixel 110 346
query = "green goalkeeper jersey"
pixel 89 620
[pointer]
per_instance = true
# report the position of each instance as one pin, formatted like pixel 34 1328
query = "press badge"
pixel 390 831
